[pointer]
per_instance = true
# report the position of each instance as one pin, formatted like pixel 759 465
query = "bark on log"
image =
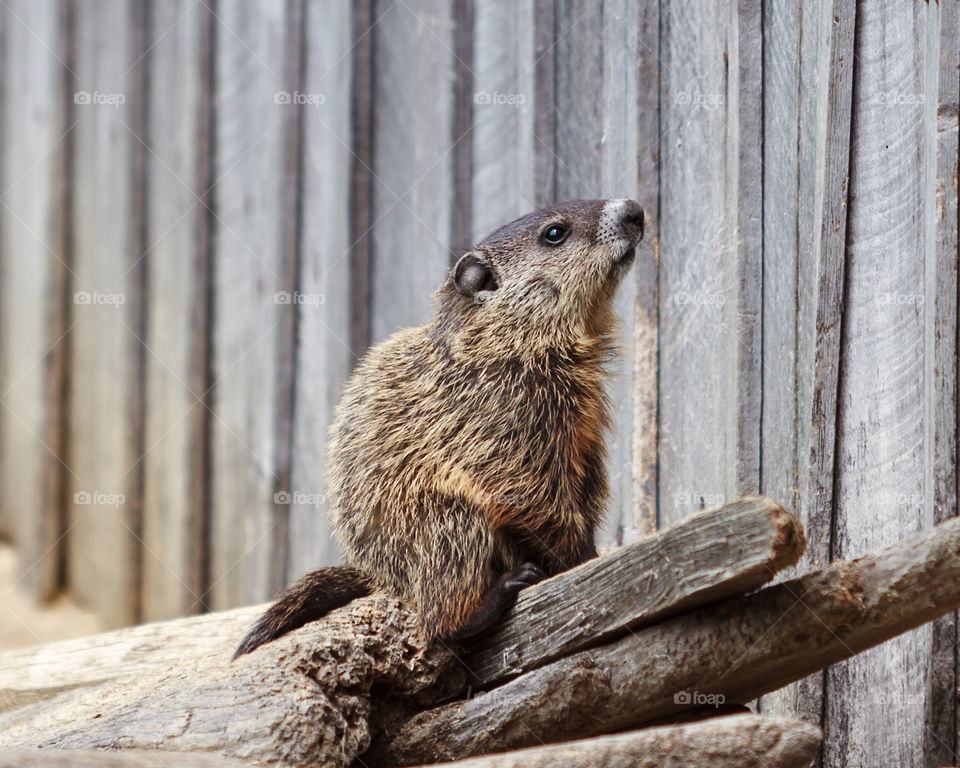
pixel 741 741
pixel 703 559
pixel 313 699
pixel 736 650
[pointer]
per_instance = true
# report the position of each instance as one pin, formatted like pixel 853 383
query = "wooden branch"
pixel 731 652
pixel 740 741
pixel 705 558
pixel 314 698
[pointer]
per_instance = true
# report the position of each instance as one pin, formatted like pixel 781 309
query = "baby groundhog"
pixel 467 455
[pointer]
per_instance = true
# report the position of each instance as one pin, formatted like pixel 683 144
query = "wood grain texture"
pixel 105 373
pixel 254 283
pixel 885 430
pixel 712 556
pixel 34 265
pixel 179 157
pixel 506 99
pixel 826 39
pixel 314 699
pixel 324 358
pixel 413 161
pixel 735 650
pixel 940 747
pixel 744 741
pixel 709 255
pixel 646 271
pixel 781 226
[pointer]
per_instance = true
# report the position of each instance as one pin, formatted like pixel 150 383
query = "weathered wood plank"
pixel 413 161
pixel 709 255
pixel 727 653
pixel 712 556
pixel 256 87
pixel 942 712
pixel 743 741
pixel 885 430
pixel 506 102
pixel 106 350
pixel 33 325
pixel 179 174
pixel 646 274
pixel 324 358
pixel 826 86
pixel 311 700
pixel 781 224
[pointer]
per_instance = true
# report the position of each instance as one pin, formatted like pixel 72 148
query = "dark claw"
pixel 526 575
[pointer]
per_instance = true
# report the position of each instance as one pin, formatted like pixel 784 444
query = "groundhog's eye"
pixel 555 234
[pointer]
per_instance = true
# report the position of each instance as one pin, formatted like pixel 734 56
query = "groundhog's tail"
pixel 307 599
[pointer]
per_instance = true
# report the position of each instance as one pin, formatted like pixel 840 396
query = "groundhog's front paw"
pixel 520 577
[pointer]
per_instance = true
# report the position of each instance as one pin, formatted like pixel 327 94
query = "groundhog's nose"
pixel 631 219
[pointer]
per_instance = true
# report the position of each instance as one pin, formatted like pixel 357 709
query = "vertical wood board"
pixel 256 91
pixel 35 268
pixel 324 358
pixel 884 480
pixel 178 175
pixel 106 339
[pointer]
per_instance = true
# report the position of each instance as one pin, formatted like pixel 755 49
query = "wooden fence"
pixel 209 209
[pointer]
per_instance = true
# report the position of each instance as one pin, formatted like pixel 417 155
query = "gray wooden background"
pixel 210 208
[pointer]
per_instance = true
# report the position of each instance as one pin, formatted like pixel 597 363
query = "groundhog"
pixel 467 456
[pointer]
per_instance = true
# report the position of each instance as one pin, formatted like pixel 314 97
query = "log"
pixel 712 555
pixel 32 674
pixel 706 558
pixel 727 653
pixel 314 698
pixel 133 758
pixel 740 741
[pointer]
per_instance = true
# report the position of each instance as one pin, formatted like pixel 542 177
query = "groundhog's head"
pixel 545 280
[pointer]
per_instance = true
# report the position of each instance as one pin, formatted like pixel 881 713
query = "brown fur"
pixel 468 447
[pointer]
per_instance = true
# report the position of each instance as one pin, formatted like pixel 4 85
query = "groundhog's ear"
pixel 473 276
